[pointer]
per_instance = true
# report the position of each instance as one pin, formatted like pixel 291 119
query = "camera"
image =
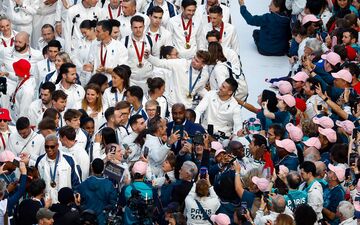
pixel 198 139
pixel 142 209
pixel 3 86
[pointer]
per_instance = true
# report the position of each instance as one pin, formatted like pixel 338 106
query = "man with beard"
pixel 68 84
pixel 38 107
pixel 8 56
pixel 47 66
pixel 181 123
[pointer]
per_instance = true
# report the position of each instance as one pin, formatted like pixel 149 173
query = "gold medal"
pixel 187 45
pixel 53 184
pixel 140 65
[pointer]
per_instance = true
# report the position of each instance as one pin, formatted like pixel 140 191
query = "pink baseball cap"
pixel 221 219
pixel 261 183
pixel 329 133
pixel 295 133
pixel 286 144
pixel 7 156
pixel 313 142
pixel 300 76
pixel 285 87
pixel 324 121
pixel 339 171
pixel 332 58
pixel 309 18
pixel 343 74
pixel 288 99
pixel 219 151
pixel 216 145
pixel 140 167
pixel 347 125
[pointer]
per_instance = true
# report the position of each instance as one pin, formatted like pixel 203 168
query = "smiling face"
pixel 91 96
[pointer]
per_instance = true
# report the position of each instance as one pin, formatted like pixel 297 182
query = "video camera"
pixel 3 86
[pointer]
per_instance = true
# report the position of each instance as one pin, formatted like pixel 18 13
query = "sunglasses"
pixel 2 120
pixel 50 146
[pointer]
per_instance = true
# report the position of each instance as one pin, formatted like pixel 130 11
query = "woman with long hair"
pixel 120 83
pixel 101 80
pixel 92 104
pixel 218 68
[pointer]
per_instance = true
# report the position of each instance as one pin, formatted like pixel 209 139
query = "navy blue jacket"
pixel 274 32
pixel 190 127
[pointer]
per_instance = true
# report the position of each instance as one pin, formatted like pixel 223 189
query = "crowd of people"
pixel 130 112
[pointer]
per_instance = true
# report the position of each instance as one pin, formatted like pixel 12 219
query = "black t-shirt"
pixel 26 212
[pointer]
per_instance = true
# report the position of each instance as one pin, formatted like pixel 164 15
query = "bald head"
pixel 22 41
pixel 311 154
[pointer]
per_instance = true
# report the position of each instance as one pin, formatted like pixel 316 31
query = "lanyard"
pixel 221 30
pixel 53 174
pixel 110 13
pixel 17 89
pixel 191 86
pixel 117 97
pixel 137 112
pixel 48 65
pixel 30 139
pixel 139 55
pixel 11 42
pixel 185 28
pixel 3 140
pixel 102 60
pixel 156 36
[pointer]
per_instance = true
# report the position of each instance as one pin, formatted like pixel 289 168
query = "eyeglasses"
pixel 50 146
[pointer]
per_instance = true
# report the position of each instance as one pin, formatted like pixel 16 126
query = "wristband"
pixel 237 174
pixel 326 99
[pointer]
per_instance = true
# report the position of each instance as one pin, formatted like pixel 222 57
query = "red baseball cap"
pixel 22 68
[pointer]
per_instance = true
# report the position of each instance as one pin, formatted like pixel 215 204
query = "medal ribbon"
pixel 53 175
pixel 17 89
pixel 102 59
pixel 191 85
pixel 221 30
pixel 3 140
pixel 139 56
pixel 110 12
pixel 156 36
pixel 185 28
pixel 11 42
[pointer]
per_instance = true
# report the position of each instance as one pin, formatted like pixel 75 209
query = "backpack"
pixel 242 90
pixel 147 36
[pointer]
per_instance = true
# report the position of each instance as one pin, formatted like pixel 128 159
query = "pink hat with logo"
pixel 329 133
pixel 295 133
pixel 347 125
pixel 7 156
pixel 288 99
pixel 140 167
pixel 221 219
pixel 286 144
pixel 300 76
pixel 343 74
pixel 332 58
pixel 313 142
pixel 285 87
pixel 339 171
pixel 261 183
pixel 309 18
pixel 216 145
pixel 324 121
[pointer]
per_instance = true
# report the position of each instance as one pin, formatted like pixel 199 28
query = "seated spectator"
pixel 269 41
